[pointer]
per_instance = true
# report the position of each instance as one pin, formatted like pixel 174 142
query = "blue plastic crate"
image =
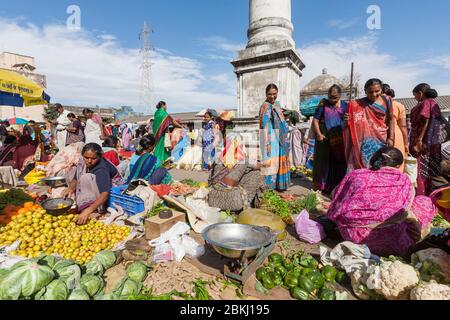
pixel 131 205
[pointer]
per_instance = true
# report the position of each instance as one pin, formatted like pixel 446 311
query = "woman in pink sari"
pixel 378 207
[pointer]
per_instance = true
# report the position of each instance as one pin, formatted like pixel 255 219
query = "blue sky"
pixel 196 39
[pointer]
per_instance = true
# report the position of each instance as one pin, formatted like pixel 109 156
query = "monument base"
pixel 257 67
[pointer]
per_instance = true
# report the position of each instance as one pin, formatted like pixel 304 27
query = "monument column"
pixel 270 57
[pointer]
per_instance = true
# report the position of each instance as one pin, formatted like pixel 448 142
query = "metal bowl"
pixel 55 182
pixel 51 206
pixel 238 241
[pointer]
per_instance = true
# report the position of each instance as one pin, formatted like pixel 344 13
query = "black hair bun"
pixel 431 94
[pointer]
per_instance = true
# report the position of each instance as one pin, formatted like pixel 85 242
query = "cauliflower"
pixel 433 264
pixel 359 284
pixel 396 280
pixel 431 291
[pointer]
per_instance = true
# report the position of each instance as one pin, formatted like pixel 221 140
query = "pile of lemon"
pixel 41 233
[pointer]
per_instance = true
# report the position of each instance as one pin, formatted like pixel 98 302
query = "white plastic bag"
pixel 412 169
pixel 179 242
pixel 309 230
pixel 163 253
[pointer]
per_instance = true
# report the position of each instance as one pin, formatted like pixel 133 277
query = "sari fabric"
pixel 430 159
pixel 366 133
pixel 161 123
pixel 366 199
pixel 145 167
pixel 209 152
pixel 330 165
pixel 275 147
pixel 7 155
pixel 126 138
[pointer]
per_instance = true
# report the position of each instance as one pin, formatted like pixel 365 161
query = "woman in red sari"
pixel 425 142
pixel 369 126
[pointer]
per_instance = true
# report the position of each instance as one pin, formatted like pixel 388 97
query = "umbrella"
pixel 18 91
pixel 213 112
pixel 226 115
pixel 18 121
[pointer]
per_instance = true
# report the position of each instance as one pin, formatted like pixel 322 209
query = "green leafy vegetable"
pixel 272 202
pixel 16 197
pixel 308 203
pixel 156 210
pixel 200 290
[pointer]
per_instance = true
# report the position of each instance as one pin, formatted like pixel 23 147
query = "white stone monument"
pixel 270 57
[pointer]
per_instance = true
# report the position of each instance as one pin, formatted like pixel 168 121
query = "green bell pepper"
pixel 260 273
pixel 268 282
pixel 276 278
pixel 340 277
pixel 329 273
pixel 291 280
pixel 299 294
pixel 317 279
pixel 306 271
pixel 280 270
pixel 288 265
pixel 327 294
pixel 306 284
pixel 308 261
pixel 275 257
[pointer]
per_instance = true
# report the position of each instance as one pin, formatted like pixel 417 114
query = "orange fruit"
pixel 22 211
pixel 28 205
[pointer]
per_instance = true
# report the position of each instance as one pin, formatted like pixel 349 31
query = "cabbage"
pixel 94 267
pixel 48 261
pixel 79 295
pixel 106 258
pixel 56 290
pixel 127 288
pixel 92 284
pixel 137 272
pixel 3 274
pixel 62 264
pixel 70 275
pixel 25 279
pixel 109 296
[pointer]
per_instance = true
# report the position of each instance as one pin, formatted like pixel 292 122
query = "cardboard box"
pixel 155 227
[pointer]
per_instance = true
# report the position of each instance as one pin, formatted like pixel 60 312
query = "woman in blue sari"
pixel 274 142
pixel 148 167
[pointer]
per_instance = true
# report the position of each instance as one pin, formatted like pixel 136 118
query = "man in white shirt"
pixel 62 123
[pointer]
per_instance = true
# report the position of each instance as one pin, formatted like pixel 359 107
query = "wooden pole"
pixel 351 81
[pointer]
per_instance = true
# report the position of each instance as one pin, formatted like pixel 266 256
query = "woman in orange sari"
pixel 369 126
pixel 401 126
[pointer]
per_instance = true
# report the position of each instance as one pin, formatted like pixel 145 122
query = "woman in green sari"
pixel 162 121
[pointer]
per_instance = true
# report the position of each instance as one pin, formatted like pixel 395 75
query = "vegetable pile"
pixel 156 210
pixel 192 183
pixel 39 233
pixel 285 208
pixel 272 202
pixel 300 275
pixel 46 278
pixel 16 197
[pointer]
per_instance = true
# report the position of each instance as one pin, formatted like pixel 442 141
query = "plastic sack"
pixel 412 169
pixel 308 230
pixel 163 253
pixel 179 244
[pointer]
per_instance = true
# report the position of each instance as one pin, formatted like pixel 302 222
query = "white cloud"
pixel 84 69
pixel 440 61
pixel 370 62
pixel 220 48
pixel 342 24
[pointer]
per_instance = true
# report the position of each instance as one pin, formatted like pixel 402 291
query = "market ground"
pixel 299 186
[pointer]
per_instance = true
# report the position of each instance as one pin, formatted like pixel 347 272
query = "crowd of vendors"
pixel 380 186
